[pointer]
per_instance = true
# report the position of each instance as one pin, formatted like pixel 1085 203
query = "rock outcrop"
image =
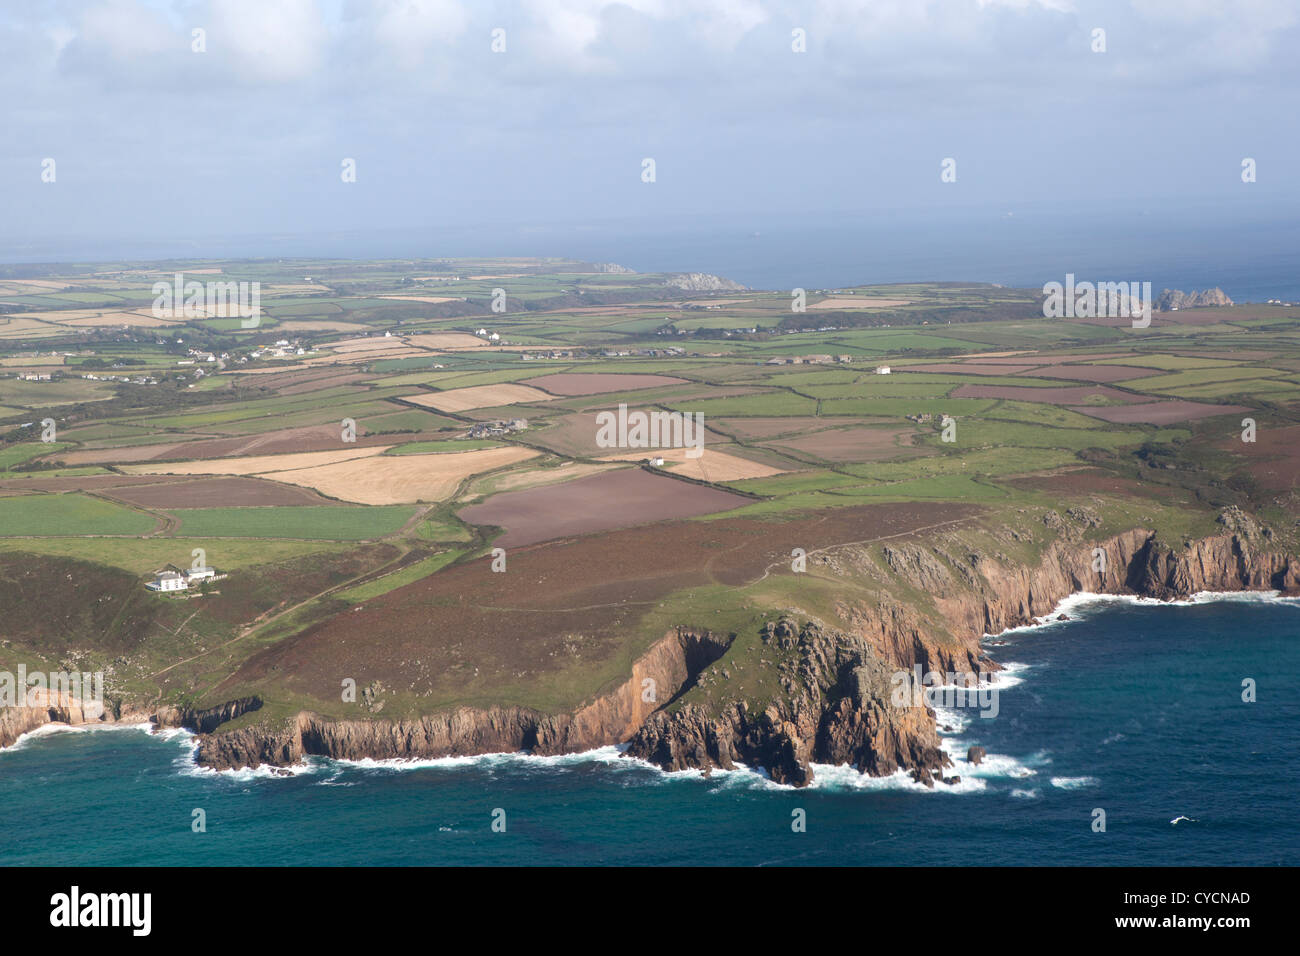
pixel 43 707
pixel 657 676
pixel 702 282
pixel 840 709
pixel 1171 299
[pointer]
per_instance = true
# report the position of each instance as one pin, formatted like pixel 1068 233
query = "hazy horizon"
pixel 153 142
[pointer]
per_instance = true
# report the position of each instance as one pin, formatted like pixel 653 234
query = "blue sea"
pixel 1248 250
pixel 1134 708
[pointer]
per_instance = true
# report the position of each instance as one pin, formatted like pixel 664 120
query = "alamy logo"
pixel 203 300
pixel 1084 300
pixel 651 430
pixel 60 689
pixel 74 908
pixel 937 689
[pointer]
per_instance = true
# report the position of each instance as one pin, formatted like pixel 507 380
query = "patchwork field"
pixel 371 557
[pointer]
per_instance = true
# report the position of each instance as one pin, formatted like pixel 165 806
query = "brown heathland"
pixel 612 499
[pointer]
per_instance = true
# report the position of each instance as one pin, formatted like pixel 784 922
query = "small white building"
pixel 168 581
pixel 882 369
pixel 174 579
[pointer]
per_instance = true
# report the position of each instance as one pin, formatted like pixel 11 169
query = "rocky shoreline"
pixel 835 702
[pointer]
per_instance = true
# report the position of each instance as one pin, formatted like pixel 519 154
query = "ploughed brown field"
pixel 1049 358
pixel 215 493
pixel 1094 373
pixel 81 482
pixel 602 502
pixel 598 383
pixel 469 635
pixel 969 368
pixel 1074 395
pixel 306 439
pixel 1157 413
pixel 854 444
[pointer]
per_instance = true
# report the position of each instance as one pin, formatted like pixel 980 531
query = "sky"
pixel 151 137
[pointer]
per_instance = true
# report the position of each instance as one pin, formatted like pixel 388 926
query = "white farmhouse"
pixel 168 581
pixel 172 578
pixel 882 369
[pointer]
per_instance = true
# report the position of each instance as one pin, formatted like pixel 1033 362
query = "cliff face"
pixel 1177 299
pixel 836 685
pixel 55 707
pixel 702 282
pixel 837 707
pixel 657 676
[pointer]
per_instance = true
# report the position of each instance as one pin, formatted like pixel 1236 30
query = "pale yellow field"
pixel 713 465
pixel 446 340
pixel 16 328
pixel 861 301
pixel 478 396
pixel 401 479
pixel 19 360
pixel 365 344
pixel 255 464
pixel 30 286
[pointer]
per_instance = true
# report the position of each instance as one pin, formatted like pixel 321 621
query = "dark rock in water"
pixel 922 775
pixel 947 728
pixel 975 755
pixel 951 780
pixel 1062 617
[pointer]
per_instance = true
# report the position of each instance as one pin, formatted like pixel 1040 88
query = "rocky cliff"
pixel 837 704
pixel 1177 299
pixel 701 282
pixel 657 676
pixel 832 686
pixel 43 707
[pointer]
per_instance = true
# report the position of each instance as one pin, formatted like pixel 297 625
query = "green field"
pixel 71 514
pixel 309 522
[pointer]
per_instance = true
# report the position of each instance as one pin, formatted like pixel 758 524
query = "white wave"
pixel 610 756
pixel 1073 783
pixel 1011 675
pixel 50 729
pixel 190 768
pixel 834 777
pixel 1026 794
pixel 1077 605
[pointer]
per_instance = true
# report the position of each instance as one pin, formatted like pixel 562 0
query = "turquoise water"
pixel 1134 709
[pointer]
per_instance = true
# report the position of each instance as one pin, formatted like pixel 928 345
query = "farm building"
pixel 172 578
